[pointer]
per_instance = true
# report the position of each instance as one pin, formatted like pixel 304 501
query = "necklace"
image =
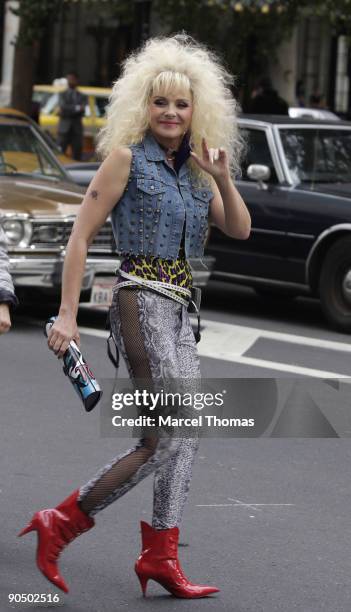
pixel 170 154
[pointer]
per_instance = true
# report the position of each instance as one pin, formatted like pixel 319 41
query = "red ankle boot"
pixel 159 561
pixel 56 527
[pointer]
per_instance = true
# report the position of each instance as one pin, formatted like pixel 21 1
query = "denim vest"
pixel 149 217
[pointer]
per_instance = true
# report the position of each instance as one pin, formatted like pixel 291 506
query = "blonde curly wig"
pixel 172 64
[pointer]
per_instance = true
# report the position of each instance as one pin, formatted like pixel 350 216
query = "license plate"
pixel 101 293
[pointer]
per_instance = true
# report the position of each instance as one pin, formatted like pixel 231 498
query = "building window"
pixel 342 78
pixel 2 25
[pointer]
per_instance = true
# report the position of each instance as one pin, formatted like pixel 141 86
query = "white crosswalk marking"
pixel 229 342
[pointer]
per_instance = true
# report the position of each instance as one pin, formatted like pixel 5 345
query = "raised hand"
pixel 213 161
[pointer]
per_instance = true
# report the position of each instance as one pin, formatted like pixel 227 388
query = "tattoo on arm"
pixel 94 194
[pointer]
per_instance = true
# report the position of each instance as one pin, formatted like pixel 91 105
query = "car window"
pixel 96 110
pixel 87 111
pixel 257 152
pixel 21 151
pixel 101 104
pixel 50 104
pixel 317 155
pixel 41 97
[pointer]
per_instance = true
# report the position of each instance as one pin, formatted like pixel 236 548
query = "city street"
pixel 267 520
pixel 193 144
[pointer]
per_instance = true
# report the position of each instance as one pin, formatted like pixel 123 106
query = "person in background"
pixel 317 100
pixel 72 107
pixel 300 94
pixel 266 100
pixel 35 112
pixel 7 294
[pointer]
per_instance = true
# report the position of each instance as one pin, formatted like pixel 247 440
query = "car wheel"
pixel 274 293
pixel 335 285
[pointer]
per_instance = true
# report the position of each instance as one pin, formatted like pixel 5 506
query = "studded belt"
pixel 164 288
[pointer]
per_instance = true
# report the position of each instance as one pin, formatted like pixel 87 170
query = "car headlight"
pixel 49 233
pixel 14 231
pixel 18 232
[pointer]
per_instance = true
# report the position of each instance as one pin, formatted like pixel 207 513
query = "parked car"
pixel 81 172
pixel 296 183
pixel 314 113
pixel 38 204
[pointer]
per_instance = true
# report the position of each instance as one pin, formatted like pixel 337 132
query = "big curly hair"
pixel 172 64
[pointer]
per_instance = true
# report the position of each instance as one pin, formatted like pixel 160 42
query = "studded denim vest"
pixel 149 217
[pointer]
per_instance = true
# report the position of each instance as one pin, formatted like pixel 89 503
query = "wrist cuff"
pixel 6 297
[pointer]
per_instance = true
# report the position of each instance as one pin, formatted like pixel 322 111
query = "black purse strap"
pixel 197 333
pixel 196 310
pixel 111 343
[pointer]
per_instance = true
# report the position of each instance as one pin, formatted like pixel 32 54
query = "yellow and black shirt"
pixel 149 267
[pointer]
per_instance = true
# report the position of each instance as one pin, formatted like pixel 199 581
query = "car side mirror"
pixel 259 173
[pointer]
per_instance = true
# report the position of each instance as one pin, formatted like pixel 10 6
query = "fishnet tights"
pixel 107 485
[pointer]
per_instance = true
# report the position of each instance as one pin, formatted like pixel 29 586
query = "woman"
pixel 171 93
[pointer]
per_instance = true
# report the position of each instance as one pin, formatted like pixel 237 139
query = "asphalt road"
pixel 267 519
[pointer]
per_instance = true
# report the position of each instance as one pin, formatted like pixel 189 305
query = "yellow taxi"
pixel 94 118
pixel 12 113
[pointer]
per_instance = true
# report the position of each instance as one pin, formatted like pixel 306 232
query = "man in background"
pixel 72 107
pixel 265 100
pixel 7 294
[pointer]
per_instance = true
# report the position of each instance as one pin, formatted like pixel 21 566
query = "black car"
pixel 296 183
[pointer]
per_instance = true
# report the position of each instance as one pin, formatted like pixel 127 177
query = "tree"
pixel 248 33
pixel 337 12
pixel 33 15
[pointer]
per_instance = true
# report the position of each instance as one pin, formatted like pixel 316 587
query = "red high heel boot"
pixel 159 561
pixel 56 527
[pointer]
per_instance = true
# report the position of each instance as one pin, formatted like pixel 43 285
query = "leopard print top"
pixel 150 267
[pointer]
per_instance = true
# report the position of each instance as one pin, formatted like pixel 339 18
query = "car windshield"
pixel 22 152
pixel 101 103
pixel 41 97
pixel 318 155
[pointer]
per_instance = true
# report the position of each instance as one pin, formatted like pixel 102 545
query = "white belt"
pixel 164 288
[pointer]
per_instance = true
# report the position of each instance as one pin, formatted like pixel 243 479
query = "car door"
pixel 318 159
pixel 263 254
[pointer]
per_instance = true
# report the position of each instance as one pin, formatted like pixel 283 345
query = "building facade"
pixel 314 62
pixel 94 39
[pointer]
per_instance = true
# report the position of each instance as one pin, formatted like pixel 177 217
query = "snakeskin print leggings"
pixel 155 337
